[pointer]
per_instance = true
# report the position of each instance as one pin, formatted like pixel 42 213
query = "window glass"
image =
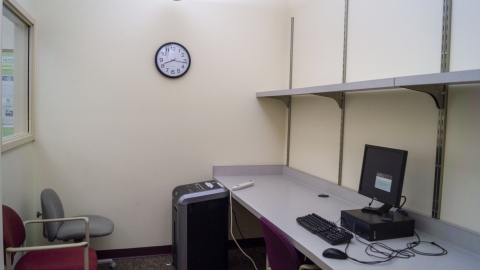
pixel 15 92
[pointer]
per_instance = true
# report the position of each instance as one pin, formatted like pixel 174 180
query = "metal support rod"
pixel 342 132
pixel 442 113
pixel 345 36
pixel 439 160
pixel 290 85
pixel 344 80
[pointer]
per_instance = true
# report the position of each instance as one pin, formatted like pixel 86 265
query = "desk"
pixel 281 199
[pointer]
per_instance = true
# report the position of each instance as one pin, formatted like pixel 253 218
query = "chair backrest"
pixel 51 208
pixel 13 230
pixel 280 252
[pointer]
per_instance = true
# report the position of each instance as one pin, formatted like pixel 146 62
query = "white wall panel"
pixel 461 181
pixel 400 119
pixel 315 136
pixel 465 42
pixel 318 42
pixel 461 185
pixel 393 38
pixel 317 60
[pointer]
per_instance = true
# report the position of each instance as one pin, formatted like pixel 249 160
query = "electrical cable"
pixel 400 210
pixel 231 232
pixel 402 203
pixel 381 251
pixel 243 237
pixel 412 246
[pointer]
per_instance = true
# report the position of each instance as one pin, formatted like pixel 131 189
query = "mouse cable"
pixel 385 251
pixel 380 251
pixel 359 261
pixel 231 232
pixel 411 246
pixel 365 262
pixel 406 253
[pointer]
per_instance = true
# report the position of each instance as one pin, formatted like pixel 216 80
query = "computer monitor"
pixel 382 175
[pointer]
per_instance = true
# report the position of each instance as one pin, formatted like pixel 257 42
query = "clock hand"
pixel 170 61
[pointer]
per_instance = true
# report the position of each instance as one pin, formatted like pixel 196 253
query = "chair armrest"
pixel 33 248
pixel 87 224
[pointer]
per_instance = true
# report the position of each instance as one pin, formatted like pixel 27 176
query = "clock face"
pixel 172 60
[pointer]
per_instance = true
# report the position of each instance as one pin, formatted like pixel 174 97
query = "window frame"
pixel 15 141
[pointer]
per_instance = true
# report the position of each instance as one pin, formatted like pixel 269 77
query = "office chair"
pixel 75 256
pixel 52 208
pixel 281 255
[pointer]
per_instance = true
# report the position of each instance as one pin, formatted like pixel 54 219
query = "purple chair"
pixel 281 255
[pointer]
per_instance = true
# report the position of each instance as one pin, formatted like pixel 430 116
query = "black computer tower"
pixel 371 227
pixel 200 226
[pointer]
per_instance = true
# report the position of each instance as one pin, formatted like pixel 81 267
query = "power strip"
pixel 243 185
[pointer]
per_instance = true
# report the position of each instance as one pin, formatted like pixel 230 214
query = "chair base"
pixel 109 261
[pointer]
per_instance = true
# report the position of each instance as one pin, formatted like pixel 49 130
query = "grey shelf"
pixel 432 84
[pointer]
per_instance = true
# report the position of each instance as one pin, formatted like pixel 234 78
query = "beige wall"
pixel 114 136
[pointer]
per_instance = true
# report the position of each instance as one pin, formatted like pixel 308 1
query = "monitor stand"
pixel 379 211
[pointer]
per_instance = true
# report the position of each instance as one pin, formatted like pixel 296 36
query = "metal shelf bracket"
pixel 436 91
pixel 337 96
pixel 285 99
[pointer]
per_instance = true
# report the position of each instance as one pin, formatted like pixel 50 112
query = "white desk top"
pixel 282 199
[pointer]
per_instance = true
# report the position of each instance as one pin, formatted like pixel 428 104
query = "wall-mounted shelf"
pixel 432 84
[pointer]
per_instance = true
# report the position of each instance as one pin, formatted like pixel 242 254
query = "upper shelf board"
pixel 341 87
pixel 432 84
pixel 447 78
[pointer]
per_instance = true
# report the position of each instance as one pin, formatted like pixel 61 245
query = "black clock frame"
pixel 167 75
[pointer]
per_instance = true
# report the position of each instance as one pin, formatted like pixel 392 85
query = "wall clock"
pixel 172 60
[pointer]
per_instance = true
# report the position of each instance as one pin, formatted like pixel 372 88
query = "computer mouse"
pixel 334 253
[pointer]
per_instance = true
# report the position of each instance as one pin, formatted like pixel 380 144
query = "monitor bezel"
pixel 401 180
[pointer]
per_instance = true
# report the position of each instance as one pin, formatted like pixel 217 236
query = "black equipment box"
pixel 371 227
pixel 200 226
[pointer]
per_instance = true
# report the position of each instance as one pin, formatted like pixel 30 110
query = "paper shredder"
pixel 200 226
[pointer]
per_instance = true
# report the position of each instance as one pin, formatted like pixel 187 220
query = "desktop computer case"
pixel 200 226
pixel 371 227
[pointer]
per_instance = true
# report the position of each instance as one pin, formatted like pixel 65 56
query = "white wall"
pixel 400 119
pixel 317 60
pixel 114 136
pixel 461 184
pixel 387 39
pixel 393 38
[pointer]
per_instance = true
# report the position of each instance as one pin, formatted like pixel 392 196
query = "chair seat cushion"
pixel 59 259
pixel 99 226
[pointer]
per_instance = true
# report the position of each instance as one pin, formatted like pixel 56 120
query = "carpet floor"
pixel 236 261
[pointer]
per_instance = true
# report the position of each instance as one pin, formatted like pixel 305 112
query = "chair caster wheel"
pixel 113 265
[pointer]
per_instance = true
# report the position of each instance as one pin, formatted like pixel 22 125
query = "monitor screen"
pixel 382 175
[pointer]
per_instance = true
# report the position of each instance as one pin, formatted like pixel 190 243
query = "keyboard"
pixel 325 229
